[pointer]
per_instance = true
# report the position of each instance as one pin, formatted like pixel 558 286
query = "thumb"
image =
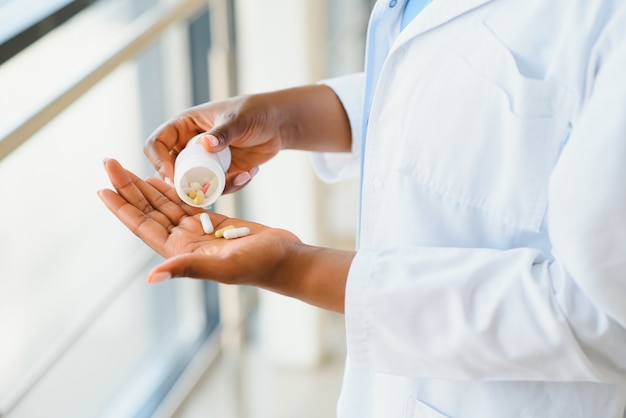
pixel 211 141
pixel 219 137
pixel 184 265
pixel 228 127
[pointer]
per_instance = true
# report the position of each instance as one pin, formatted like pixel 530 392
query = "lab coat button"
pixel 377 183
pixel 392 3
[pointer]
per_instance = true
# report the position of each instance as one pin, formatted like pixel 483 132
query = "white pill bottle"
pixel 195 165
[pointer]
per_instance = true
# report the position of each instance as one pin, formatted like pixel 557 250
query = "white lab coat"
pixel 490 278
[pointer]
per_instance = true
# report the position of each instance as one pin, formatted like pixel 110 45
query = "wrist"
pixel 318 275
pixel 310 118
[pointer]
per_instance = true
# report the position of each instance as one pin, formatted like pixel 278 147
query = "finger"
pixel 134 191
pixel 124 185
pixel 228 127
pixel 162 203
pixel 177 266
pixel 160 157
pixel 150 231
pixel 162 147
pixel 235 182
pixel 210 142
pixel 244 178
pixel 169 192
pixel 192 265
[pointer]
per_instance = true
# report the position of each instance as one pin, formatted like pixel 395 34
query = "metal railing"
pixel 144 31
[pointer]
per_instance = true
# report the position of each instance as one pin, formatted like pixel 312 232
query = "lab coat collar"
pixel 435 14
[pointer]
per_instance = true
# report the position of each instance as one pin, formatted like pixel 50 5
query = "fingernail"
pixel 254 171
pixel 168 181
pixel 242 179
pixel 159 277
pixel 210 140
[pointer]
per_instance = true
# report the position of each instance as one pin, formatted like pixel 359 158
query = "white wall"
pixel 280 45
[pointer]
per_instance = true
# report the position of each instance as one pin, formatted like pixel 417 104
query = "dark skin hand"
pixel 269 258
pixel 255 127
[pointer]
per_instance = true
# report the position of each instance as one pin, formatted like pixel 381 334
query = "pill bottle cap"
pixel 195 165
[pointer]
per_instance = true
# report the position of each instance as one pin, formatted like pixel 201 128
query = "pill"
pixel 220 232
pixel 207 225
pixel 199 198
pixel 236 232
pixel 195 190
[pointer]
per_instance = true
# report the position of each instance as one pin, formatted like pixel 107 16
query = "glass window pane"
pixel 57 261
pixel 77 319
pixel 64 55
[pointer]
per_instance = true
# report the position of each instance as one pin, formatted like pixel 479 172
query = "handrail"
pixel 143 32
pixel 30 30
pixel 55 352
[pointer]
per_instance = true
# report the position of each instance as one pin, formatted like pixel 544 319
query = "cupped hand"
pixel 152 210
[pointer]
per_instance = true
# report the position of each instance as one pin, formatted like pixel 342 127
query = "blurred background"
pixel 81 333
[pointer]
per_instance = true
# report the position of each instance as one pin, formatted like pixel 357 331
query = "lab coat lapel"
pixel 437 13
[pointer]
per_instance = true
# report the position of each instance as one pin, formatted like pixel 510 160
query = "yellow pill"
pixel 192 195
pixel 198 199
pixel 220 232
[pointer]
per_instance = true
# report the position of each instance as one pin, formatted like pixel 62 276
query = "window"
pixel 82 334
pixel 23 22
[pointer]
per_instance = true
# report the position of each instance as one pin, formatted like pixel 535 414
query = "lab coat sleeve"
pixel 337 166
pixel 459 313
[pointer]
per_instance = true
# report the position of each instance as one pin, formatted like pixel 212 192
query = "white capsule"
pixel 236 232
pixel 207 225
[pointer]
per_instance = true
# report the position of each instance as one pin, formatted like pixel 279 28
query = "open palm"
pixel 152 210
